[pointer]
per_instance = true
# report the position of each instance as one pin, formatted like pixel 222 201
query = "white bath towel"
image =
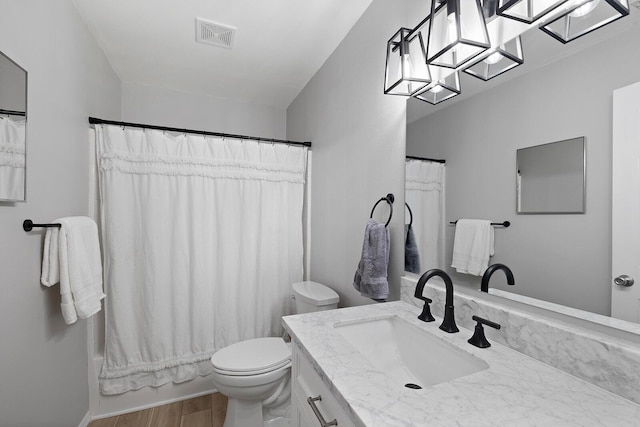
pixel 72 258
pixel 472 246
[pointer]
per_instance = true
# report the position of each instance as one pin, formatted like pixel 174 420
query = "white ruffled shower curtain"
pixel 12 158
pixel 424 193
pixel 202 239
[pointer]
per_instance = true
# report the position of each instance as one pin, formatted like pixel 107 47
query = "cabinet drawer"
pixel 302 414
pixel 309 384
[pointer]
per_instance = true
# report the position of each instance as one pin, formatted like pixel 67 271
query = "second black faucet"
pixel 484 285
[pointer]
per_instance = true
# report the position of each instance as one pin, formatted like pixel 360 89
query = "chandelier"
pixel 475 37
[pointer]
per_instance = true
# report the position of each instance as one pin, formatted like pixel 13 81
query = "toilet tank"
pixel 313 296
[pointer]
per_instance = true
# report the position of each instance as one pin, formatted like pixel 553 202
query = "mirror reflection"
pixel 13 121
pixel 424 210
pixel 560 91
pixel 550 178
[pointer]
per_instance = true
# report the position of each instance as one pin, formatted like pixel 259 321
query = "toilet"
pixel 254 374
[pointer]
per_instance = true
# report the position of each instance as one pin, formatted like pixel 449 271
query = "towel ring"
pixel 410 220
pixel 389 199
pixel 410 214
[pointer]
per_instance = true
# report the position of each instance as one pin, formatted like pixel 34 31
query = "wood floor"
pixel 205 411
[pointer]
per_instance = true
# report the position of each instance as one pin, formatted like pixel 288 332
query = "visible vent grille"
pixel 215 34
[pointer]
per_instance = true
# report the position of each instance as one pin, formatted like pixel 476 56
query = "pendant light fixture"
pixel 527 10
pixel 406 69
pixel 585 17
pixel 457 32
pixel 445 85
pixel 457 39
pixel 497 61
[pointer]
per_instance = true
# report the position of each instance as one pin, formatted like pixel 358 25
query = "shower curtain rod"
pixel 13 112
pixel 427 159
pixel 96 121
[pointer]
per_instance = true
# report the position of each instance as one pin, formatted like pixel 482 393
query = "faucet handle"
pixel 478 339
pixel 426 316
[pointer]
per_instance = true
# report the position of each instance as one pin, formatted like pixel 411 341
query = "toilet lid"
pixel 257 355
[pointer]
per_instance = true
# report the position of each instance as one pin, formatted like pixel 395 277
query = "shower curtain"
pixel 424 193
pixel 12 158
pixel 202 239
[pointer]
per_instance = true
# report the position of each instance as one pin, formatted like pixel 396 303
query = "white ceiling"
pixel 279 44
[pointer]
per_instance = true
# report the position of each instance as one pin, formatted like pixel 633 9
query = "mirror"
pixel 550 178
pixel 13 128
pixel 560 92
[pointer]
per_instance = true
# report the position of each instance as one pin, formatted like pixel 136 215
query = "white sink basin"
pixel 407 353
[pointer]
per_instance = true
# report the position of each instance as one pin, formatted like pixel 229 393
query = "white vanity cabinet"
pixel 306 383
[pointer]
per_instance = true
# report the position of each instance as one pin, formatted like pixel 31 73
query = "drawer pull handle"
pixel 312 402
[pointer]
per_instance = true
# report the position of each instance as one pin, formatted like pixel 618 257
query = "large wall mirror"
pixel 550 178
pixel 558 94
pixel 13 130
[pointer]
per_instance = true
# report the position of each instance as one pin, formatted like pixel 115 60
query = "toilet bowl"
pixel 252 374
pixel 255 374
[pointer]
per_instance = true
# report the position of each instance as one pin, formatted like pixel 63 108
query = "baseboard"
pixel 86 420
pixel 151 405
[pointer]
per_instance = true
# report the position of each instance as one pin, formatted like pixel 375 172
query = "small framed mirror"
pixel 551 178
pixel 13 130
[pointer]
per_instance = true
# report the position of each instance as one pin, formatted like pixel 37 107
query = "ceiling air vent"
pixel 215 34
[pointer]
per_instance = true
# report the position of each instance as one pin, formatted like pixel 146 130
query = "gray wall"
pixel 167 107
pixel 358 137
pixel 43 374
pixel 560 258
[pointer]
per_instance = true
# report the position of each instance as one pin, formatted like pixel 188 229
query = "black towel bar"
pixel 28 225
pixel 504 223
pixel 389 199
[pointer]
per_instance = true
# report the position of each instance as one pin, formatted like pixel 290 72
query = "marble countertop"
pixel 516 390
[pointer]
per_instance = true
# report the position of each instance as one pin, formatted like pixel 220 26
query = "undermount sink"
pixel 403 351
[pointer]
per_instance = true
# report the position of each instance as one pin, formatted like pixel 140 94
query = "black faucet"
pixel 448 323
pixel 484 286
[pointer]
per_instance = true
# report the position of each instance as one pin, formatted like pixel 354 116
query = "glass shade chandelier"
pixel 497 61
pixel 424 62
pixel 585 17
pixel 457 32
pixel 527 10
pixel 406 71
pixel 444 86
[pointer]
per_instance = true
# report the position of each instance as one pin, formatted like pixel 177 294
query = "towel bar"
pixel 28 225
pixel 504 223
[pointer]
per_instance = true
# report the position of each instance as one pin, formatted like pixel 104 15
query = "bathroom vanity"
pixel 366 363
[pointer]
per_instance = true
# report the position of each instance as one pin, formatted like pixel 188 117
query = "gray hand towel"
pixel 411 255
pixel 371 276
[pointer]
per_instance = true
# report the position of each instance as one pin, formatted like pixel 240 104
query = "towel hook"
pixel 389 199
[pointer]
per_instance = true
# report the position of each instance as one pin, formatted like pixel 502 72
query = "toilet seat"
pixel 252 357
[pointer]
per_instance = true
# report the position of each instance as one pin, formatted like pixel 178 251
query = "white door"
pixel 625 296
